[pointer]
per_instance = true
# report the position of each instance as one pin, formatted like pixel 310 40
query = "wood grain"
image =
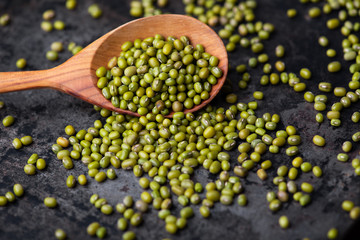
pixel 77 75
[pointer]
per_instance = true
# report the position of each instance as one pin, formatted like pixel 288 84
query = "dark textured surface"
pixel 43 114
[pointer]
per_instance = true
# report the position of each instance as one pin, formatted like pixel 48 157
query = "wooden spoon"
pixel 77 75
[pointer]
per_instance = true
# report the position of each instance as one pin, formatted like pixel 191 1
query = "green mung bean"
pixel 323 41
pixel 70 4
pixel 317 171
pixel 50 202
pixel 8 121
pixel 332 23
pixel 52 55
pixel 46 26
pixel 92 228
pixel 129 235
pixel 29 169
pixel 284 222
pixel 305 73
pixel 355 213
pixel 60 234
pixel 342 157
pixel 334 66
pixel 10 197
pixel 59 25
pixel 94 10
pixel 314 12
pixel 347 205
pixel 319 141
pixel 5 19
pixel 21 63
pixel 291 13
pixel 331 53
pixel 332 233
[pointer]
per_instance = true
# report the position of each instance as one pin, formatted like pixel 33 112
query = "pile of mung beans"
pixel 157 75
pixel 168 152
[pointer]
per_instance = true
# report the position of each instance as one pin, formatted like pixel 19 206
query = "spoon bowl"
pixel 77 75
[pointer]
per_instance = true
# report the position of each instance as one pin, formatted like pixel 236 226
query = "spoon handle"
pixel 15 81
pixel 73 77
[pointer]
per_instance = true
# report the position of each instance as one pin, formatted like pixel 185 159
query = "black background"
pixel 43 114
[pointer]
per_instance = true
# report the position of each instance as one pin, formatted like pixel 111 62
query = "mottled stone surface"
pixel 43 114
